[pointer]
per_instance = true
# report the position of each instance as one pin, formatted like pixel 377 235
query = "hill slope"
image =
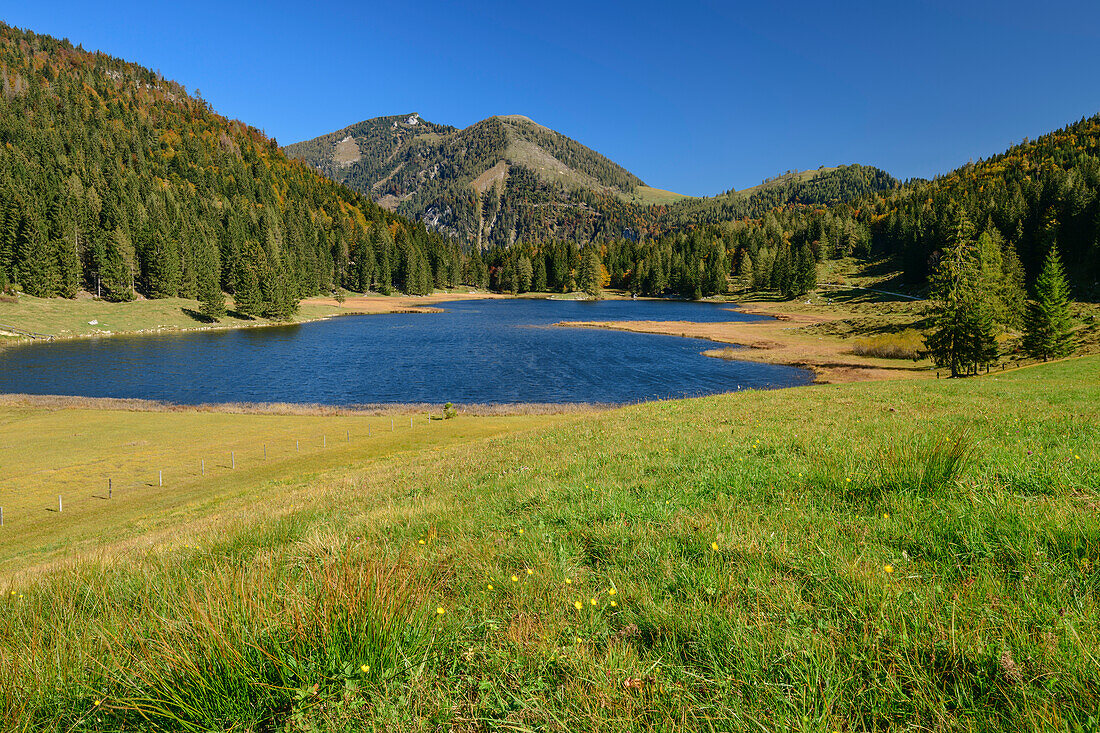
pixel 684 565
pixel 500 179
pixel 116 180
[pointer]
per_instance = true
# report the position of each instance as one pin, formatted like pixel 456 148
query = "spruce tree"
pixel 538 276
pixel 963 335
pixel 68 268
pixel 1048 325
pixel 211 297
pixel 524 274
pixel 247 296
pixel 589 275
pixel 35 264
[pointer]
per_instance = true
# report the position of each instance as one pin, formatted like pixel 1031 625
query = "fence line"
pixel 24 332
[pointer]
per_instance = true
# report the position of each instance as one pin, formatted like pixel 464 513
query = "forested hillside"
pixel 496 181
pixel 819 187
pixel 115 180
pixel 1035 194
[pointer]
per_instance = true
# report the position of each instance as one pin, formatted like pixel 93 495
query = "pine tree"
pixel 211 297
pixel 162 266
pixel 524 274
pixel 35 264
pixel 963 334
pixel 538 277
pixel 116 267
pixel 247 296
pixel 589 276
pixel 1048 325
pixel 68 268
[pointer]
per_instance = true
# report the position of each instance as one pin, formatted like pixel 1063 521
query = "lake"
pixel 484 351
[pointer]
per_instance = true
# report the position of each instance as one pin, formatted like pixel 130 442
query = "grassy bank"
pixel 86 316
pixel 910 554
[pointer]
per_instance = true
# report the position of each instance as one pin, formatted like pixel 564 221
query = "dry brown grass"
pixel 787 337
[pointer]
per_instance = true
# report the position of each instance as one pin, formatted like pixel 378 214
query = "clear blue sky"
pixel 695 97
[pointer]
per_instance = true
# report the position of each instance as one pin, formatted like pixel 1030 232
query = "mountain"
pixel 809 188
pixel 509 178
pixel 116 180
pixel 501 179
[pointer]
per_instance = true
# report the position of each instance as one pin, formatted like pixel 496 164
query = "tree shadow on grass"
pixel 195 315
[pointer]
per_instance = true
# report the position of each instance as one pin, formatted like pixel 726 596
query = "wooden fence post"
pixel 59 503
pixel 232 459
pixel 160 478
pixel 109 488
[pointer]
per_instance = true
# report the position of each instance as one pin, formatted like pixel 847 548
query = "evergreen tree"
pixel 804 277
pixel 589 275
pixel 963 336
pixel 524 274
pixel 36 264
pixel 68 268
pixel 211 297
pixel 116 267
pixel 247 296
pixel 538 276
pixel 162 266
pixel 1048 325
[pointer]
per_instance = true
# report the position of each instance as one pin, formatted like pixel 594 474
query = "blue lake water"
pixel 499 351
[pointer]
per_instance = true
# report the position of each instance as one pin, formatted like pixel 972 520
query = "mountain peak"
pixel 469 181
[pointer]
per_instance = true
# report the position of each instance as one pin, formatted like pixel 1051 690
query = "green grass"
pixel 65 318
pixel 647 195
pixel 891 555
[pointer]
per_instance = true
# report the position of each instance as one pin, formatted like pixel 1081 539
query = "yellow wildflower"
pixel 364 669
pixel 889 569
pixel 714 546
pixel 578 605
pixel 440 610
pixel 515 578
pixel 530 571
pixel 593 601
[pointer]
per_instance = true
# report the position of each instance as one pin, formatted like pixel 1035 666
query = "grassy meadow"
pixel 917 555
pixel 64 318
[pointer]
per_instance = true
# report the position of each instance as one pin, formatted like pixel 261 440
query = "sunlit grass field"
pixel 890 555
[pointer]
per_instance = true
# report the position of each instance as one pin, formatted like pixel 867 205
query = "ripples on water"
pixel 476 351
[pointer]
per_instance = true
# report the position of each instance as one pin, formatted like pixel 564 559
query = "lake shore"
pixel 792 334
pixel 86 317
pixel 423 410
pixel 814 335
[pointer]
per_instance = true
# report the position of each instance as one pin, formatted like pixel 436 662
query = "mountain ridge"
pixel 484 182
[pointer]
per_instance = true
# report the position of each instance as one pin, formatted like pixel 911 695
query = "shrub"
pixel 449 411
